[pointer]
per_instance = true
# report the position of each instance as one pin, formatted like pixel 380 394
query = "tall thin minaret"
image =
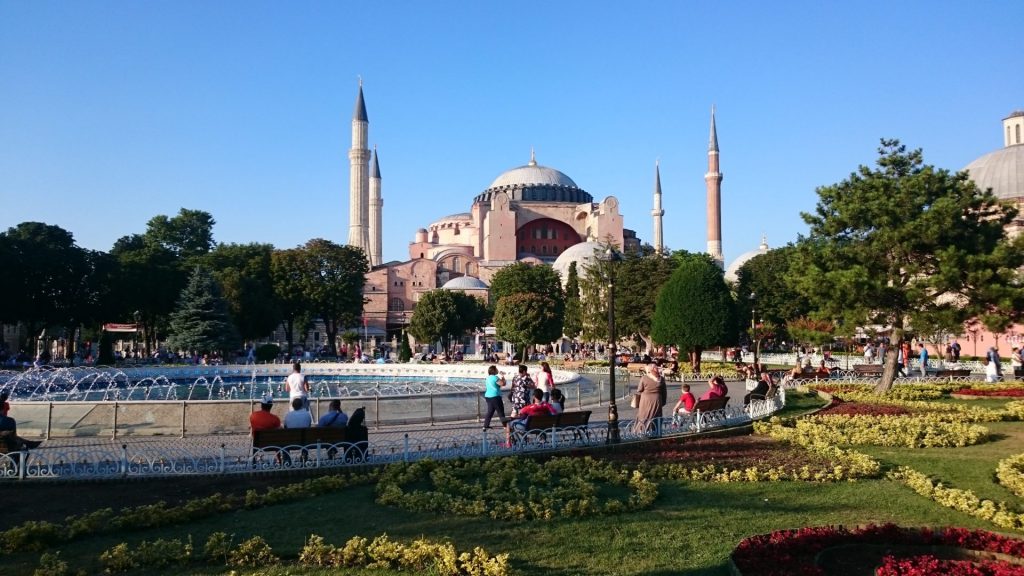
pixel 657 213
pixel 713 179
pixel 376 211
pixel 358 184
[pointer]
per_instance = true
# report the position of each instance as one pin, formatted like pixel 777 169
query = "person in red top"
pixel 538 408
pixel 262 419
pixel 685 404
pixel 716 389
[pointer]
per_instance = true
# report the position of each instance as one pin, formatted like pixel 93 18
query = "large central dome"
pixel 536 183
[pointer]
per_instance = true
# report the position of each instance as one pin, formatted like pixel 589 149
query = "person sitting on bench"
pixel 262 419
pixel 538 408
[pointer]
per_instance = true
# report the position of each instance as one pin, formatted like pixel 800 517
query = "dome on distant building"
pixel 732 272
pixel 583 254
pixel 465 283
pixel 536 183
pixel 1003 170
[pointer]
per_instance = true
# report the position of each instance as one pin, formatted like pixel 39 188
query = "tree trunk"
pixel 889 362
pixel 695 359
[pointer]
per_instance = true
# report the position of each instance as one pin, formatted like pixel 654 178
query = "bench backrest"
pixel 711 404
pixel 581 418
pixel 541 421
pixel 298 437
pixel 868 368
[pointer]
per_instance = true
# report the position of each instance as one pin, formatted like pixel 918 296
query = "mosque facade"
pixel 531 213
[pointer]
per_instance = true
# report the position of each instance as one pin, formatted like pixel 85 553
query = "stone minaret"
pixel 358 182
pixel 376 211
pixel 713 179
pixel 657 213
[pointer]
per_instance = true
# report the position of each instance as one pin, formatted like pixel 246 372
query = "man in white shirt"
pixel 297 385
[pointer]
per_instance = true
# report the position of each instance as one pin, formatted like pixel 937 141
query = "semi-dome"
pixel 732 272
pixel 583 254
pixel 536 183
pixel 465 283
pixel 1002 171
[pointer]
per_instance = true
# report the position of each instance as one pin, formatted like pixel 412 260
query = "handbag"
pixel 634 402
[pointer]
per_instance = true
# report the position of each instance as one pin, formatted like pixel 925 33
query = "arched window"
pixel 455 263
pixel 1018 133
pixel 543 249
pixel 1008 140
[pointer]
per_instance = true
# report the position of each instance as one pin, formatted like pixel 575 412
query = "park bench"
pixel 11 450
pixel 636 368
pixel 953 373
pixel 571 426
pixel 709 412
pixel 873 370
pixel 772 392
pixel 282 441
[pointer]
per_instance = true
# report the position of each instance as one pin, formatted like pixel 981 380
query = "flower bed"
pixel 794 552
pixel 847 408
pixel 516 488
pixel 966 501
pixel 990 392
pixel 925 565
pixel 740 459
pixel 912 431
pixel 1010 472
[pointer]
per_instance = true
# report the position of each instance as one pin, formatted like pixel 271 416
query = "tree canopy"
pixel 572 325
pixel 332 279
pixel 441 315
pixel 527 318
pixel 202 322
pixel 695 308
pixel 775 301
pixel 908 246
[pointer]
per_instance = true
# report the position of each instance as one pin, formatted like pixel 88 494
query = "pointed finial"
pixel 657 177
pixel 359 114
pixel 360 77
pixel 713 139
pixel 375 165
pixel 764 242
pixel 533 158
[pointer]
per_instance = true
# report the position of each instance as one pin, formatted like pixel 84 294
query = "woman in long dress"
pixel 652 393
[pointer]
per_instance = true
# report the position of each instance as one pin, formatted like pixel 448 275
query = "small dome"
pixel 583 254
pixel 464 283
pixel 1002 171
pixel 457 218
pixel 533 175
pixel 732 272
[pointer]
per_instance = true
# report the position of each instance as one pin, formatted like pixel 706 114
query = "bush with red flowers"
pixel 924 565
pixel 793 552
pixel 846 408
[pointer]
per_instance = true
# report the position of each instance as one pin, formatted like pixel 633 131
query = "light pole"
pixel 611 257
pixel 753 330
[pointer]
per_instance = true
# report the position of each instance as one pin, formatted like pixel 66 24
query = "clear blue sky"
pixel 114 112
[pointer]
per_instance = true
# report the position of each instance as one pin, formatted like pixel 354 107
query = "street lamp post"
pixel 753 330
pixel 611 256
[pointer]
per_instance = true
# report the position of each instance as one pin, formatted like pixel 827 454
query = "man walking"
pixel 924 359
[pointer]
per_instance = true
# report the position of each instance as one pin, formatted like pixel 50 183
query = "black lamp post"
pixel 753 331
pixel 611 257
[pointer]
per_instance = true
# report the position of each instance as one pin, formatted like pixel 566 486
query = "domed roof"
pixel 1002 171
pixel 536 183
pixel 464 283
pixel 732 272
pixel 583 254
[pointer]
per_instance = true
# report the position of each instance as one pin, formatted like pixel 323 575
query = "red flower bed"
pixel 734 452
pixel 792 552
pixel 843 407
pixel 925 565
pixel 1008 393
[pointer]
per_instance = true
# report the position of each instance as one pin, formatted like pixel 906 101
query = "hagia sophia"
pixel 538 214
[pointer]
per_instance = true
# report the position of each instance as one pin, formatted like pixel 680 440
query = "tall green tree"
pixel 441 315
pixel 189 234
pixel 774 300
pixel 244 273
pixel 543 281
pixel 572 326
pixel 909 246
pixel 287 272
pixel 149 283
pixel 526 318
pixel 202 323
pixel 333 278
pixel 695 308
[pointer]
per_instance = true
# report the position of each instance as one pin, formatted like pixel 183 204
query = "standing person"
pixel 991 375
pixel 522 387
pixel 869 353
pixel 956 351
pixel 298 387
pixel 492 394
pixel 652 399
pixel 545 381
pixel 907 353
pixel 1016 362
pixel 924 359
pixel 993 357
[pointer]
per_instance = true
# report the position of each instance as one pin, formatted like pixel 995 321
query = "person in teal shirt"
pixel 924 360
pixel 492 394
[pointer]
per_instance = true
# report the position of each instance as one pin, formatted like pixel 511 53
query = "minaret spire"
pixel 713 180
pixel 376 212
pixel 657 213
pixel 533 158
pixel 358 181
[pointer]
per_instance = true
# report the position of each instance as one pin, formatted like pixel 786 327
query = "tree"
pixel 441 314
pixel 775 301
pixel 287 272
pixel 526 318
pixel 189 235
pixel 332 278
pixel 244 273
pixel 695 309
pixel 543 281
pixel 572 325
pixel 202 322
pixel 906 245
pixel 149 282
pixel 810 331
pixel 404 350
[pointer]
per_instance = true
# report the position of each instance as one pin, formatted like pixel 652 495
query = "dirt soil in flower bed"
pixel 843 407
pixel 53 501
pixel 732 452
